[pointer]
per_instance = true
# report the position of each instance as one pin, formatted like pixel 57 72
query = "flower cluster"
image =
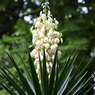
pixel 45 35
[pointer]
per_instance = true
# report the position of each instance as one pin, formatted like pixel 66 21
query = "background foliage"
pixel 76 23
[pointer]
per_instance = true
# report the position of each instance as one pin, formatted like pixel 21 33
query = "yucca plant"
pixel 62 83
pixel 44 76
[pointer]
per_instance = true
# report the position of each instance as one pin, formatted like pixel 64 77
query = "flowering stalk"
pixel 45 34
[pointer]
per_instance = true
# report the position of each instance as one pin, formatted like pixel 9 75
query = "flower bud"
pixel 43 16
pixel 56 40
pixel 48 13
pixel 47 45
pixel 50 64
pixel 46 39
pixel 36 62
pixel 61 40
pixel 59 54
pixel 42 35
